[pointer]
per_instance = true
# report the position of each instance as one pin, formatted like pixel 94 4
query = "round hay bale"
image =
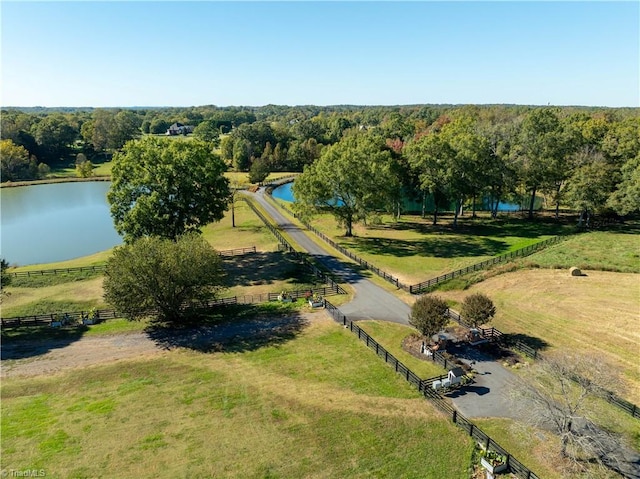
pixel 575 271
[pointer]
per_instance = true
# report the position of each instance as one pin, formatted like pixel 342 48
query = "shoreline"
pixel 13 184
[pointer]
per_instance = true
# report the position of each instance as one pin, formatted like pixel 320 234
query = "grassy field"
pixel 390 336
pixel 617 250
pixel 414 250
pixel 596 314
pixel 237 179
pixel 320 405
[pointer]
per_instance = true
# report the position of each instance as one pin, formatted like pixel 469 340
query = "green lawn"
pixel 320 405
pixel 414 250
pixel 390 336
pixel 616 250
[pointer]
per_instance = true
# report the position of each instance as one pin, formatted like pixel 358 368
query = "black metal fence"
pixel 101 268
pixel 515 466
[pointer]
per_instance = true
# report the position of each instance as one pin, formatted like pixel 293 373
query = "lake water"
pixel 55 222
pixel 284 193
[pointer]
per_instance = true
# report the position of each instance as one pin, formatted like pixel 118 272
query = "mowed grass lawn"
pixel 320 405
pixel 597 314
pixel 414 250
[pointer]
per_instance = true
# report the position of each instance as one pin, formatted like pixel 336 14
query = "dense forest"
pixel 585 158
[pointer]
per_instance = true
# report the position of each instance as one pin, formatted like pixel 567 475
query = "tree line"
pixel 585 158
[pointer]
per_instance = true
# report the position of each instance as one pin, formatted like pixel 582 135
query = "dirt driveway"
pixel 35 358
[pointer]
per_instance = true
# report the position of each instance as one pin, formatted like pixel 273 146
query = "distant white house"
pixel 179 129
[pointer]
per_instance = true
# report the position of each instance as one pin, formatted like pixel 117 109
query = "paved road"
pixel 489 395
pixel 370 302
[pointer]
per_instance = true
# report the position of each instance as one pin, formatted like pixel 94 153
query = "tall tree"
pixel 541 150
pixel 16 163
pixel 429 156
pixel 162 276
pixel 351 180
pixel 626 199
pixel 54 135
pixel 209 131
pixel 590 186
pixel 165 188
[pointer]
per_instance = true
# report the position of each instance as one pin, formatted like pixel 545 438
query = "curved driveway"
pixel 370 302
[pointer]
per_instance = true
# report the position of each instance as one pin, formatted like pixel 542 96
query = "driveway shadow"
pixel 462 391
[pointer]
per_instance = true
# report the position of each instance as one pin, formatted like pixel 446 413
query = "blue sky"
pixel 323 53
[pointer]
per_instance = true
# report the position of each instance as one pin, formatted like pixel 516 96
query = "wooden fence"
pixel 383 274
pixel 75 317
pixel 101 268
pixel 515 466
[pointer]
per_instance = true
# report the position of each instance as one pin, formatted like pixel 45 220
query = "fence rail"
pixel 515 466
pixel 102 314
pixel 495 334
pixel 286 246
pixel 425 285
pixel 526 251
pixel 101 268
pixel 383 274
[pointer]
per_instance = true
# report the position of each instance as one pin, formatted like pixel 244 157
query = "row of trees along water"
pixel 585 158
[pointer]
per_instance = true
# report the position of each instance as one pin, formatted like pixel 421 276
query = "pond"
pixel 55 222
pixel 284 193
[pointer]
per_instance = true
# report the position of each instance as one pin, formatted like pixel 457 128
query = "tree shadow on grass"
pixel 531 341
pixel 500 227
pixel 439 247
pixel 265 268
pixel 28 342
pixel 237 328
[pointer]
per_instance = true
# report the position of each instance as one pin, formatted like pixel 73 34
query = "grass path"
pixel 318 406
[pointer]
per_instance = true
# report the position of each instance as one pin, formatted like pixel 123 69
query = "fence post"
pixel 454 417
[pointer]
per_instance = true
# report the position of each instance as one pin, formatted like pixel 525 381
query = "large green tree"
pixel 431 158
pixel 477 309
pixel 162 187
pixel 16 163
pixel 53 135
pixel 160 276
pixel 351 180
pixel 626 198
pixel 109 130
pixel 542 150
pixel 208 130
